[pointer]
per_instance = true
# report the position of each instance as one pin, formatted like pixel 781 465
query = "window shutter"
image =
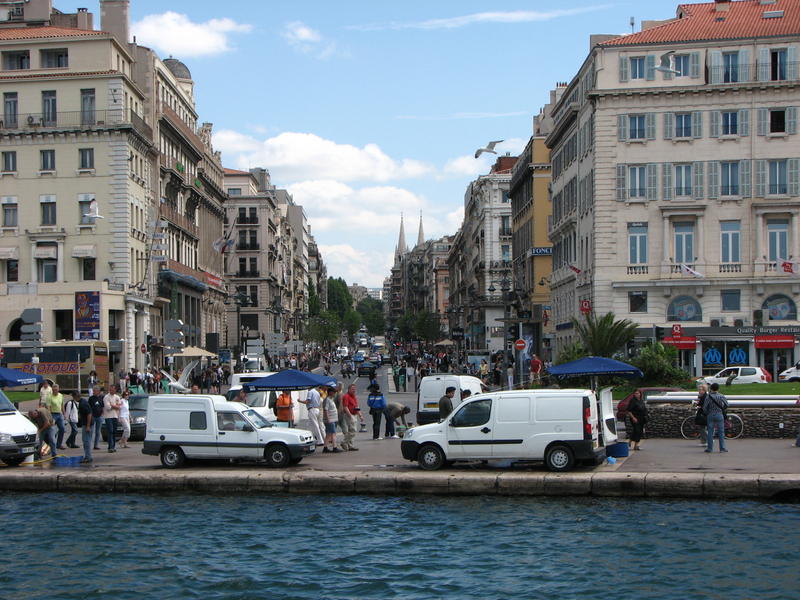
pixel 763 119
pixel 744 178
pixel 697 124
pixel 694 65
pixel 793 168
pixel 650 125
pixel 791 119
pixel 697 188
pixel 650 67
pixel 716 66
pixel 791 63
pixel 745 68
pixel 666 177
pixel 713 179
pixel 669 125
pixel 622 187
pixel 652 181
pixel 744 122
pixel 761 178
pixel 622 128
pixel 716 121
pixel 623 69
pixel 763 64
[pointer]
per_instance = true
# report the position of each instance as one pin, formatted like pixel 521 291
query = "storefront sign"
pixel 87 315
pixel 682 343
pixel 541 251
pixel 737 356
pixel 774 341
pixel 214 281
pixel 781 330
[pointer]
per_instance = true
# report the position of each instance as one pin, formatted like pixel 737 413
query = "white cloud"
pixel 293 156
pixel 516 16
pixel 469 166
pixel 304 39
pixel 172 33
pixel 356 266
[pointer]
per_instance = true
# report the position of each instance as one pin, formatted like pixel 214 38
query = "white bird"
pixel 180 386
pixel 666 63
pixel 93 211
pixel 489 148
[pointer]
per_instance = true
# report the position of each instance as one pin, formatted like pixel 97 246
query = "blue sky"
pixel 366 109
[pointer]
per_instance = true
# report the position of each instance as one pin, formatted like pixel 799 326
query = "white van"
pixel 432 388
pixel 560 427
pixel 17 434
pixel 790 374
pixel 189 426
pixel 261 402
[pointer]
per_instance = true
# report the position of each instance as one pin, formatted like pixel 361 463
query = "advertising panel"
pixel 87 315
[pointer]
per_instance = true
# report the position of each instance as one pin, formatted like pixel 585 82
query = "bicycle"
pixel 734 427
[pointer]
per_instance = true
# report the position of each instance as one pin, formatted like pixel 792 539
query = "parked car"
pixel 137 405
pixel 365 368
pixel 622 407
pixel 376 358
pixel 359 356
pixel 790 374
pixel 739 375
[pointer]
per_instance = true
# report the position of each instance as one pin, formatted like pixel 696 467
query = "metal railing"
pixel 77 119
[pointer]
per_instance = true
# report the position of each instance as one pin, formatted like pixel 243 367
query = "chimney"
pixel 722 5
pixel 114 19
pixel 85 19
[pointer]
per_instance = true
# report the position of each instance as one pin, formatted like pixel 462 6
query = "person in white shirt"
pixel 313 402
pixel 124 420
pixel 111 404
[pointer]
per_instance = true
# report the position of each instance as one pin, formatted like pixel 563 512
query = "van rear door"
pixel 591 428
pixel 607 418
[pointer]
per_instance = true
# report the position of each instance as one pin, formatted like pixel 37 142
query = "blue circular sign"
pixel 737 356
pixel 712 356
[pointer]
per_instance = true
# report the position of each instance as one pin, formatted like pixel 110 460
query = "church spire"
pixel 421 234
pixel 401 242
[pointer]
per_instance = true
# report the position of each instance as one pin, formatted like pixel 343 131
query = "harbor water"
pixel 69 546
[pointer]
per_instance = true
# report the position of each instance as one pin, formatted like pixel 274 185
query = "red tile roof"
pixel 696 22
pixel 235 172
pixel 34 33
pixel 54 75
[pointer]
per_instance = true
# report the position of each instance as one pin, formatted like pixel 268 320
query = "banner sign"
pixel 774 341
pixel 87 315
pixel 681 343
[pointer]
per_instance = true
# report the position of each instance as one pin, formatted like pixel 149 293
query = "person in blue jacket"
pixel 377 407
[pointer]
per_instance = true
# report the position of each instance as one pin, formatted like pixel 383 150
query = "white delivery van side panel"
pixel 172 418
pixel 512 427
pixel 556 418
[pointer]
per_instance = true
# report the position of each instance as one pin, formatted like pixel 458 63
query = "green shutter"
pixel 650 67
pixel 652 181
pixel 793 168
pixel 744 122
pixel 697 124
pixel 745 68
pixel 650 125
pixel 713 179
pixel 791 63
pixel 669 125
pixel 694 65
pixel 791 119
pixel 763 120
pixel 716 123
pixel 763 64
pixel 716 66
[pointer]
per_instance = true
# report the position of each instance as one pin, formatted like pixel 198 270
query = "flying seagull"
pixel 489 148
pixel 93 211
pixel 666 63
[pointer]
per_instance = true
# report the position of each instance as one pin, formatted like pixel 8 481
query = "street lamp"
pixel 241 299
pixel 505 288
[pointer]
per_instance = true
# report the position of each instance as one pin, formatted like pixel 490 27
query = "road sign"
pixel 32 328
pixel 31 350
pixel 2 353
pixel 520 345
pixel 143 348
pixel 31 315
pixel 586 306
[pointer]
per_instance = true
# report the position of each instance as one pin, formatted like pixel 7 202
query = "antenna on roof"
pixel 633 24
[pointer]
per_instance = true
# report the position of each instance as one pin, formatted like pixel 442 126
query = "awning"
pixel 9 253
pixel 45 252
pixel 87 251
pixel 774 341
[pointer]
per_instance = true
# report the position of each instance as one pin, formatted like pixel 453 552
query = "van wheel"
pixel 277 456
pixel 172 457
pixel 13 462
pixel 430 457
pixel 559 458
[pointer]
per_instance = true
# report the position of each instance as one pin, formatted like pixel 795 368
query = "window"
pixel 729 178
pixel 684 308
pixel 505 225
pixel 505 251
pixel 231 421
pixel 637 243
pixel 9 161
pixel 683 125
pixel 637 67
pixel 777 176
pixel 48 204
pixel 253 215
pixel 682 65
pixel 731 300
pixel 780 308
pixel 730 123
pixel 242 266
pixel 637 302
pixel 505 198
pixel 683 180
pixel 777 120
pixel 86 158
pixel 730 67
pixel 197 420
pixel 684 242
pixel 637 182
pixel 17 60
pixel 87 107
pixel 84 207
pixel 10 108
pixel 48 160
pixel 730 232
pixel 88 266
pixel 234 191
pixel 778 239
pixel 10 214
pixel 12 270
pixel 636 124
pixel 46 270
pixel 49 109
pixel 473 414
pixel 253 295
pixel 54 59
pixel 777 64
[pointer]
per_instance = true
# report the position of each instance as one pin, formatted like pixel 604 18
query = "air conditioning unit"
pixel 717 321
pixel 739 323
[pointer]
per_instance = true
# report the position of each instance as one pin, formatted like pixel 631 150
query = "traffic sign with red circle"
pixel 2 353
pixel 143 348
pixel 520 345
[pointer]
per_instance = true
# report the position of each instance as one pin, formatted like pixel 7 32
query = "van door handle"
pixel 485 430
pixel 222 433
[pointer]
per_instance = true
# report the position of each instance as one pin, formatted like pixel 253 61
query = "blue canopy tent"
pixel 290 380
pixel 594 366
pixel 15 377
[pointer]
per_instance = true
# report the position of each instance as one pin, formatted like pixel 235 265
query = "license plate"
pixel 431 405
pixel 27 450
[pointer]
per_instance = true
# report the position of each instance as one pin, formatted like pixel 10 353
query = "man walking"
pixel 85 424
pixel 111 404
pixel 351 412
pixel 55 404
pixel 96 404
pixel 313 401
pixel 715 405
pixel 446 403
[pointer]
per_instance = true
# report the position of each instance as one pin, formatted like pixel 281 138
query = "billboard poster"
pixel 87 315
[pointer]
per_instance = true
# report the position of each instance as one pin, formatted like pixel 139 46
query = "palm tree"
pixel 605 336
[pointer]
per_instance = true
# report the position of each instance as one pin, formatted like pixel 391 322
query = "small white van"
pixel 559 427
pixel 262 402
pixel 17 434
pixel 790 374
pixel 432 388
pixel 189 426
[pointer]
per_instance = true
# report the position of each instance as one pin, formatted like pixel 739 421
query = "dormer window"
pixel 54 59
pixel 17 60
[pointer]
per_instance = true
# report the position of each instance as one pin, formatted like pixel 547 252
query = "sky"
pixel 365 109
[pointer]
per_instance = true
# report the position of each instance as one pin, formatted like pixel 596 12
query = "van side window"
pixel 197 420
pixel 473 414
pixel 231 421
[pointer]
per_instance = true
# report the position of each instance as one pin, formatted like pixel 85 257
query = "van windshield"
pixel 256 419
pixel 5 403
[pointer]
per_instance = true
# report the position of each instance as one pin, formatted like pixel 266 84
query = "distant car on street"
pixel 359 356
pixel 137 404
pixel 739 375
pixel 365 368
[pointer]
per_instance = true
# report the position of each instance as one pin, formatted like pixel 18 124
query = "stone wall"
pixel 665 421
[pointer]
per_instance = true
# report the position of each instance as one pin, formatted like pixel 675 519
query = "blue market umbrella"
pixel 15 377
pixel 593 366
pixel 291 380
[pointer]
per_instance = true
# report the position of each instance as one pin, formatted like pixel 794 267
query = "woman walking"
pixel 124 420
pixel 637 409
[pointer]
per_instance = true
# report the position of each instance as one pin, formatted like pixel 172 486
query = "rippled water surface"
pixel 120 547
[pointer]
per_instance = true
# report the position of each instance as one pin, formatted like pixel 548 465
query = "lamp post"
pixel 241 299
pixel 505 288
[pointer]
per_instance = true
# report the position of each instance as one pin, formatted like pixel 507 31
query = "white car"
pixel 740 375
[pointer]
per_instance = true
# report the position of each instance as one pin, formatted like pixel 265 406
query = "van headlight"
pixel 408 434
pixel 5 438
pixel 140 420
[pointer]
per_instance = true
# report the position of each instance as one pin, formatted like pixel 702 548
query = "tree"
pixel 657 363
pixel 405 326
pixel 427 326
pixel 371 312
pixel 351 322
pixel 339 299
pixel 571 352
pixel 314 304
pixel 604 336
pixel 325 328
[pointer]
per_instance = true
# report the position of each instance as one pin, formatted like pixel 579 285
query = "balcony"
pixel 247 220
pixel 638 269
pixel 246 273
pixel 181 128
pixel 250 246
pixel 505 232
pixel 177 219
pixel 77 120
pixel 730 268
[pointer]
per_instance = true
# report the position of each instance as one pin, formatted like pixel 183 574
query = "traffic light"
pixel 658 333
pixel 149 343
pixel 173 336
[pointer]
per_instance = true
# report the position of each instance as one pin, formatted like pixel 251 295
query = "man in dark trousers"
pixel 715 405
pixel 446 403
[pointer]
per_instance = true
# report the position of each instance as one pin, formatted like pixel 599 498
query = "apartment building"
pixel 676 178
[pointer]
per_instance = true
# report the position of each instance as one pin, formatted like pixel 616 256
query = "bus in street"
pixel 63 362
